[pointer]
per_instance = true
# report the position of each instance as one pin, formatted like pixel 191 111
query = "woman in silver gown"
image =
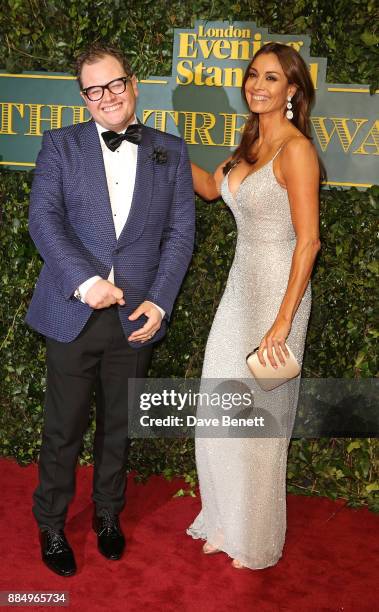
pixel 271 184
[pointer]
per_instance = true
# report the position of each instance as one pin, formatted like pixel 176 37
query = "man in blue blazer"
pixel 112 215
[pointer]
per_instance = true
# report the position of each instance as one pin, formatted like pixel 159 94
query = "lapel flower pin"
pixel 159 155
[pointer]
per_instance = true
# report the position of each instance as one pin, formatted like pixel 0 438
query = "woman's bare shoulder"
pixel 297 142
pixel 297 149
pixel 298 160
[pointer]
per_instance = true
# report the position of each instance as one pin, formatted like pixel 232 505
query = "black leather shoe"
pixel 110 539
pixel 56 552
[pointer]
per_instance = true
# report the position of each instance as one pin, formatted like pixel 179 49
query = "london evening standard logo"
pixel 201 102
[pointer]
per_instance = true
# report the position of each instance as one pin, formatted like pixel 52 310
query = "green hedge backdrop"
pixel 46 35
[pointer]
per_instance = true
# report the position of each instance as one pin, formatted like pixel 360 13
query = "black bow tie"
pixel 133 134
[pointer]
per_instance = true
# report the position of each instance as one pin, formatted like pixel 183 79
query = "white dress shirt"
pixel 120 170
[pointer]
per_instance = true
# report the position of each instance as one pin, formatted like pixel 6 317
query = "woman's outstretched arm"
pixel 206 184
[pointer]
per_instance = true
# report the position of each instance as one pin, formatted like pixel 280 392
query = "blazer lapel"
pixel 96 179
pixel 143 191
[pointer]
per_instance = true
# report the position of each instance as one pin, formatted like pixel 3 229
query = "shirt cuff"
pixel 84 287
pixel 158 307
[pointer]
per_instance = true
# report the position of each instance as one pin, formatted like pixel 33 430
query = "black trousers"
pixel 99 358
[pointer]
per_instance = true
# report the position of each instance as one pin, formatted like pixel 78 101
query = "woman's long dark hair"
pixel 297 73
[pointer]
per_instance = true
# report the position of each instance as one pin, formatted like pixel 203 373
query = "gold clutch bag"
pixel 268 377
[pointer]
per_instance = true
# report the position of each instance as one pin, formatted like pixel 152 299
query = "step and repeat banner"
pixel 201 101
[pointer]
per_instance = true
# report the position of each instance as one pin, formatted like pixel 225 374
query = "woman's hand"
pixel 275 337
pixel 206 184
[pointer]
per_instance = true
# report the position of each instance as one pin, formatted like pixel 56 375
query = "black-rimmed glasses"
pixel 96 92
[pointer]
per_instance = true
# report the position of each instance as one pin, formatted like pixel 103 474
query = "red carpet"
pixel 328 563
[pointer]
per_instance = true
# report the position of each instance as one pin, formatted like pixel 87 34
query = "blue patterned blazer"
pixel 70 222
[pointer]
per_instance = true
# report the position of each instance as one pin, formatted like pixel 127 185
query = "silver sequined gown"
pixel 243 480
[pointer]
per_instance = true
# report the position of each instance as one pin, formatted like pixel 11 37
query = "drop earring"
pixel 289 113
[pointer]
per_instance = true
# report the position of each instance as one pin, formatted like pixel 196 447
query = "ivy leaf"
pixel 369 38
pixel 353 446
pixel 374 486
